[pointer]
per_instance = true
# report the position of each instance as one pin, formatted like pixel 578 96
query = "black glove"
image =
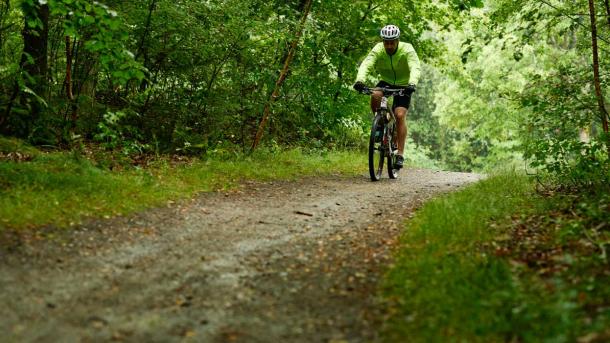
pixel 410 89
pixel 359 86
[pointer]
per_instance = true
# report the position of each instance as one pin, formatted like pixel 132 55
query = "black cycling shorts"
pixel 398 101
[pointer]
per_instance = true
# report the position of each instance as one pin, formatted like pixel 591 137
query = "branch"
pixel 575 20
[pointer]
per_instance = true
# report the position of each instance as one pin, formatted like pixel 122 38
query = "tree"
pixel 603 112
pixel 31 86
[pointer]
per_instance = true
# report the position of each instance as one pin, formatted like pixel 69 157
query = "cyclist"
pixel 397 66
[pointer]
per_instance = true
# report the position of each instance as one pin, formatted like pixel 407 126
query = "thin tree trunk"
pixel 151 9
pixel 142 50
pixel 607 5
pixel 596 78
pixel 69 84
pixel 282 77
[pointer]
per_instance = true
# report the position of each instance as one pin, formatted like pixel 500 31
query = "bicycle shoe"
pixel 399 162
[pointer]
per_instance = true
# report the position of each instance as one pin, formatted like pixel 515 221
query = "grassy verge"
pixel 497 262
pixel 63 188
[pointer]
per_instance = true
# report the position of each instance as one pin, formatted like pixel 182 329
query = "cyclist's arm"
pixel 414 66
pixel 367 66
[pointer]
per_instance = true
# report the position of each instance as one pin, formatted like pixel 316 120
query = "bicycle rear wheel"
pixel 376 148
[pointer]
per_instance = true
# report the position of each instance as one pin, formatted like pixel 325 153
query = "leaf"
pixel 36 96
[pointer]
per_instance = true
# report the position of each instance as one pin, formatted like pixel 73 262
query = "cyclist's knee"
pixel 401 113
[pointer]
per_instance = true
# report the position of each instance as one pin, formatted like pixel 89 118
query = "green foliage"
pixel 443 284
pixel 199 73
pixel 496 262
pixel 516 82
pixel 104 35
pixel 37 108
pixel 561 136
pixel 115 132
pixel 501 78
pixel 562 133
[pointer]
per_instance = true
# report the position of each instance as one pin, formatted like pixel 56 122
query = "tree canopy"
pixel 504 82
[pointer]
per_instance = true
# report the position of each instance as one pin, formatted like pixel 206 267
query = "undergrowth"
pixel 499 262
pixel 64 188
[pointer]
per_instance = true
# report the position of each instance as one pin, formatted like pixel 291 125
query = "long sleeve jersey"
pixel 401 69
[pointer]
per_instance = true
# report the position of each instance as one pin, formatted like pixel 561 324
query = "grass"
pixel 494 263
pixel 63 188
pixel 13 145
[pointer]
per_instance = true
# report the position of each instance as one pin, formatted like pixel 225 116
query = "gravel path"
pixel 271 262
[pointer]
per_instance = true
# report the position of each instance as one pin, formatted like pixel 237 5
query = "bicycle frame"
pixel 386 119
pixel 390 121
pixel 389 116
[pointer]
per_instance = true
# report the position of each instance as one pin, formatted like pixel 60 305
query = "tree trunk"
pixel 142 50
pixel 35 45
pixel 283 74
pixel 596 78
pixel 34 58
pixel 84 77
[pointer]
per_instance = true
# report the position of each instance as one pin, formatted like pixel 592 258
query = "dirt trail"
pixel 274 262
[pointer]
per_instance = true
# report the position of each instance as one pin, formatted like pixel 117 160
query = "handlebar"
pixel 385 91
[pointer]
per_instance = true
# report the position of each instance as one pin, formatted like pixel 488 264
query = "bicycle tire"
pixel 392 172
pixel 376 149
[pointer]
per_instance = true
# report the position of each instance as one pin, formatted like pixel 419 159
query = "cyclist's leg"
pixel 401 108
pixel 376 100
pixel 401 128
pixel 377 95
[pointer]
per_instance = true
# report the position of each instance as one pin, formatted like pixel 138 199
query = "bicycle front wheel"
pixel 376 148
pixel 391 155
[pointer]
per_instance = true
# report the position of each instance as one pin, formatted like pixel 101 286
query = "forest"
pixel 112 107
pixel 505 82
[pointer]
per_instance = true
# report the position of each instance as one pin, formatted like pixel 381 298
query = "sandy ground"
pixel 271 262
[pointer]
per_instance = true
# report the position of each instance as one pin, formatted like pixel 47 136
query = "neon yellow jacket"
pixel 401 69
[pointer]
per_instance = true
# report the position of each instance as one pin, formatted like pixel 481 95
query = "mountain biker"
pixel 397 66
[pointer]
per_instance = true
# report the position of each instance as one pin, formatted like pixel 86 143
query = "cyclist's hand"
pixel 411 89
pixel 359 86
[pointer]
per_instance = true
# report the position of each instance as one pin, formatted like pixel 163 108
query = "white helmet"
pixel 390 32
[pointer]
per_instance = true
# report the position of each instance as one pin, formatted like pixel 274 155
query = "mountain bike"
pixel 382 142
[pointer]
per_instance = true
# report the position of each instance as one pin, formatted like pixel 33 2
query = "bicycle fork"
pixel 389 121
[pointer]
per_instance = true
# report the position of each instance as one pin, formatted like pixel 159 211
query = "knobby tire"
pixel 376 151
pixel 392 173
